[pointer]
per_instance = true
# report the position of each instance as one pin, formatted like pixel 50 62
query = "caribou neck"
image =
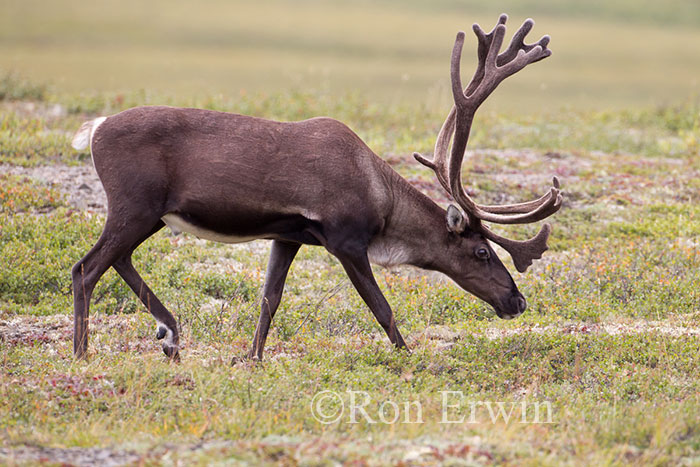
pixel 414 231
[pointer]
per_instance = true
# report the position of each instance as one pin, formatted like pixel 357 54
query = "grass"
pixel 43 135
pixel 605 341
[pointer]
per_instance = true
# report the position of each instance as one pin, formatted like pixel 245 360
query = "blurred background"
pixel 607 54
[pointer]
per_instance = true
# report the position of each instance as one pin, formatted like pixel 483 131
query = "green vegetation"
pixel 13 87
pixel 611 336
pixel 605 340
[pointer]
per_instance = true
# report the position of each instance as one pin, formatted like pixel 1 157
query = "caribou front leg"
pixel 360 272
pixel 281 256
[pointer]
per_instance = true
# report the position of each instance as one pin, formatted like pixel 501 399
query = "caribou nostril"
pixel 517 304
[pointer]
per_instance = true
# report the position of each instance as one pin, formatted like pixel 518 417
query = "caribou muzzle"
pixel 511 306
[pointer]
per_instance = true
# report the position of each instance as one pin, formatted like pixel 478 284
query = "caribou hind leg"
pixel 119 238
pixel 167 326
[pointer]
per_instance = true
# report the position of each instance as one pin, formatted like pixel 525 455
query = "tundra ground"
pixel 610 341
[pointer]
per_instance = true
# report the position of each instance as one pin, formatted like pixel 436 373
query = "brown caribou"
pixel 234 178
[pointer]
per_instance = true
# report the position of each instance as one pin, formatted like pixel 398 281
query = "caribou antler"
pixel 491 70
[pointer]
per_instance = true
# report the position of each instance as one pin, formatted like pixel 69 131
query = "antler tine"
pixel 440 161
pixel 518 215
pixel 499 33
pixel 497 66
pixel 442 143
pixel 482 50
pixel 518 43
pixel 525 252
pixel 455 76
pixel 522 207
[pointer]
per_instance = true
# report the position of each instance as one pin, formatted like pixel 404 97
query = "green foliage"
pixel 609 338
pixel 37 253
pixel 21 194
pixel 672 130
pixel 31 140
pixel 13 88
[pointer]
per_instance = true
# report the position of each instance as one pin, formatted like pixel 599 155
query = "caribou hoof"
pixel 172 352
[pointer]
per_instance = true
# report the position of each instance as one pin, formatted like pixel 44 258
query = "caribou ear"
pixel 456 223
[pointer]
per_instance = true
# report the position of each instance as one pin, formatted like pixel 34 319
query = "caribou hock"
pixel 233 178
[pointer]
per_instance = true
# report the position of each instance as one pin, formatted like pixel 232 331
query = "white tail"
pixel 83 137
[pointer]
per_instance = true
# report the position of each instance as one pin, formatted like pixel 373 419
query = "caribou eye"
pixel 482 253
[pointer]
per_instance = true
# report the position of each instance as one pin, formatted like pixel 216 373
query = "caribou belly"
pixel 177 224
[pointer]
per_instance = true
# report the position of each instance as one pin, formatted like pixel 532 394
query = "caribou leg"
pixel 167 326
pixel 360 272
pixel 281 256
pixel 117 239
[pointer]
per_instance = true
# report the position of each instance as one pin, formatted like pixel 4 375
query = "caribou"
pixel 234 178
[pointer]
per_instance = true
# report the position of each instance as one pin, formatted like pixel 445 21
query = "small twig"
pixel 330 294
